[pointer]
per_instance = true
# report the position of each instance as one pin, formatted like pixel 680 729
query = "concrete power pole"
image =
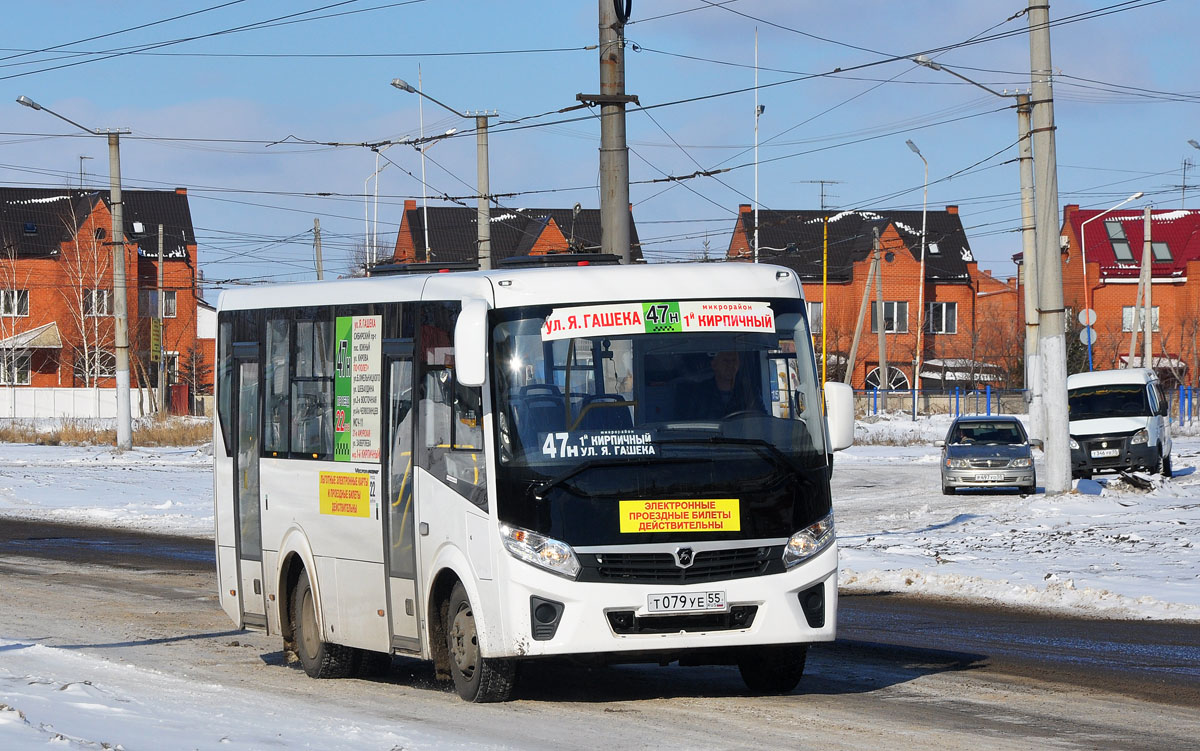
pixel 120 299
pixel 317 249
pixel 1052 349
pixel 1142 311
pixel 881 327
pixel 1033 368
pixel 483 216
pixel 614 153
pixel 858 327
pixel 162 361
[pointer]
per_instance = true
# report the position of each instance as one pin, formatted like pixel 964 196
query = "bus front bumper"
pixel 545 614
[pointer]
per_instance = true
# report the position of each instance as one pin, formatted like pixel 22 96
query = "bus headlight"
pixel 808 542
pixel 544 552
pixel 1140 437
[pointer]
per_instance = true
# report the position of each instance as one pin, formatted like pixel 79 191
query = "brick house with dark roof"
pixel 56 298
pixel 972 334
pixel 1114 256
pixel 453 234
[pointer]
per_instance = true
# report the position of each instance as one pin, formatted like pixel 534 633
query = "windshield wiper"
pixel 766 449
pixel 546 485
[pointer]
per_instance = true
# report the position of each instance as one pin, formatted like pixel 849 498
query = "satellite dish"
pixel 889 256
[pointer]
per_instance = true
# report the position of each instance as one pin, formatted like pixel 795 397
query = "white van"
pixel 1119 421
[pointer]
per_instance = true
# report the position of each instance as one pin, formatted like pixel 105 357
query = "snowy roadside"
pixel 1108 550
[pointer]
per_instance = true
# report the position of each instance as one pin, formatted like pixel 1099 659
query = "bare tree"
pixel 86 263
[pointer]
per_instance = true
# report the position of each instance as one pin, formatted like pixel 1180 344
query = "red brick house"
pixel 972 334
pixel 56 286
pixel 1114 255
pixel 453 235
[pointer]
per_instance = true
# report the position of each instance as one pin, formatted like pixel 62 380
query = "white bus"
pixel 619 463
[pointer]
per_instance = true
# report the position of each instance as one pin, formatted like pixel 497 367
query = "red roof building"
pixel 1101 257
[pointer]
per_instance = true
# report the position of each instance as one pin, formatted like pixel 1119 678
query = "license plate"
pixel 989 478
pixel 1101 453
pixel 686 602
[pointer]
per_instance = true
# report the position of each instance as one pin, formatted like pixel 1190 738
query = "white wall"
pixel 24 402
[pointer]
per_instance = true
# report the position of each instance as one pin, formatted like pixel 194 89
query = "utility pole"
pixel 1148 293
pixel 1051 321
pixel 1029 267
pixel 162 364
pixel 862 314
pixel 120 299
pixel 317 249
pixel 614 153
pixel 483 217
pixel 881 327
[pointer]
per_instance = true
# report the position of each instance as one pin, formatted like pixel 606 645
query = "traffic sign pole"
pixel 1087 317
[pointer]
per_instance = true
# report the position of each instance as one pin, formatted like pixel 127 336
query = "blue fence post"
pixel 989 400
pixel 875 401
pixel 956 397
pixel 1180 406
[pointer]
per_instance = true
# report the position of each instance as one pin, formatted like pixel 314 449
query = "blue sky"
pixel 203 112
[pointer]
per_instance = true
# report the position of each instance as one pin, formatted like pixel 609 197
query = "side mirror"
pixel 1036 443
pixel 470 343
pixel 839 415
pixel 939 444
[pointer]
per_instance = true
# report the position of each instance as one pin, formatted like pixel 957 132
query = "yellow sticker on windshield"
pixel 708 515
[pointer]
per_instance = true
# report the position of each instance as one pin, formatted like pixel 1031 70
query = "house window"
pixel 941 318
pixel 1127 318
pixel 1120 244
pixel 1162 254
pixel 816 316
pixel 14 302
pixel 148 303
pixel 97 302
pixel 895 317
pixel 95 363
pixel 14 368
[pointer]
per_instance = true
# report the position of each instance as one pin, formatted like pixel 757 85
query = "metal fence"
pixel 1185 404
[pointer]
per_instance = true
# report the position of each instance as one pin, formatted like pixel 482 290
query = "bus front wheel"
pixel 320 659
pixel 773 670
pixel 476 678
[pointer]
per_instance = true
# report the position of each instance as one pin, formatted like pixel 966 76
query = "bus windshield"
pixel 626 389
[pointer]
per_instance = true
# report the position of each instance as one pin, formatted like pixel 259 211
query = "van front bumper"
pixel 1111 453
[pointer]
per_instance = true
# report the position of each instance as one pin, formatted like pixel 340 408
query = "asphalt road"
pixel 904 670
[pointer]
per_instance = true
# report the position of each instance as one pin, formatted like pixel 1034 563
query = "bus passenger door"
pixel 247 435
pixel 403 594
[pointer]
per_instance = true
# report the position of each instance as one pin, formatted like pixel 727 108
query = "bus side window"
pixel 225 379
pixel 312 386
pixel 275 389
pixel 451 414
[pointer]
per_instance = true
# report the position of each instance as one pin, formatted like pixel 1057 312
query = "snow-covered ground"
pixel 1107 549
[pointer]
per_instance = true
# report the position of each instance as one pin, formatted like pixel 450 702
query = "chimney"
pixel 1068 210
pixel 181 191
pixel 951 209
pixel 410 204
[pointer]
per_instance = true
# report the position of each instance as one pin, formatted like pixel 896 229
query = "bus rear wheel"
pixel 476 678
pixel 320 659
pixel 773 670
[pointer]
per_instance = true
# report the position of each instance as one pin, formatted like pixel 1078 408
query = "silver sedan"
pixel 988 452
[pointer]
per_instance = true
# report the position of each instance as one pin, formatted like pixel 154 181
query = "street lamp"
pixel 921 283
pixel 121 325
pixel 1087 298
pixel 483 221
pixel 1033 383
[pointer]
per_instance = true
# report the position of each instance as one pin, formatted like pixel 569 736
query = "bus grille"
pixel 709 565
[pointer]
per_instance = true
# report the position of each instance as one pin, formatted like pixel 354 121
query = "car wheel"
pixel 476 678
pixel 320 659
pixel 773 670
pixel 1166 466
pixel 947 490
